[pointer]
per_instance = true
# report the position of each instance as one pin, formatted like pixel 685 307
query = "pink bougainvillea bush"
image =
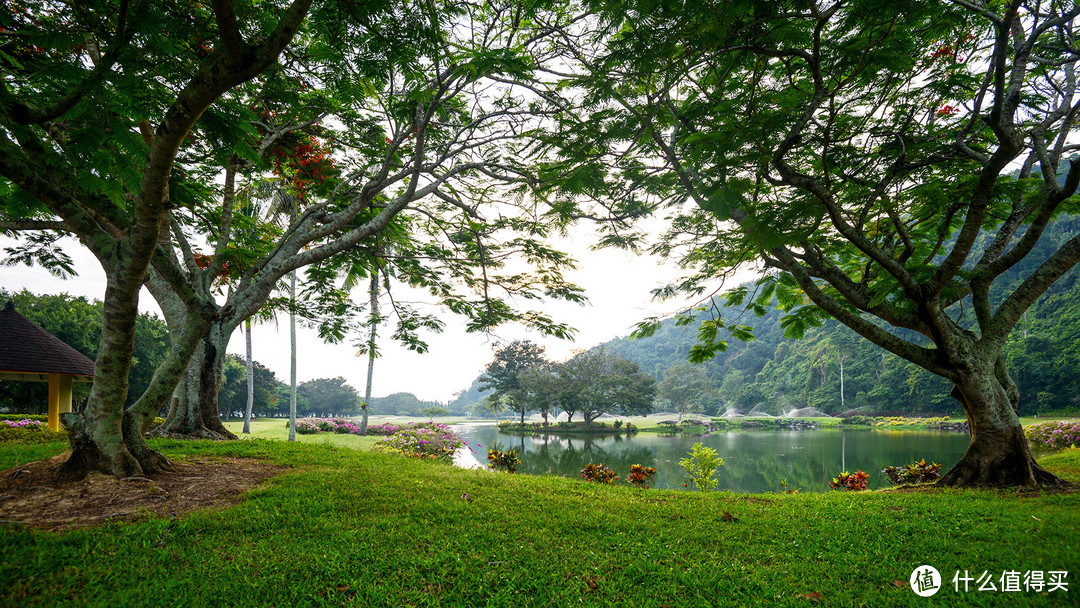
pixel 427 440
pixel 1055 435
pixel 313 426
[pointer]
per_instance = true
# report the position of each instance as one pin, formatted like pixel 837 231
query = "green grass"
pixel 274 428
pixel 13 454
pixel 353 528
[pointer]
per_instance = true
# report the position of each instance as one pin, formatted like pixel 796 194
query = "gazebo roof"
pixel 26 348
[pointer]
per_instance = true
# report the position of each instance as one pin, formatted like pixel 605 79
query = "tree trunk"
pixel 133 459
pixel 843 408
pixel 292 362
pixel 194 409
pixel 998 455
pixel 250 378
pixel 101 439
pixel 374 293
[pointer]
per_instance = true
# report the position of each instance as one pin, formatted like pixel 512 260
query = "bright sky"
pixel 617 284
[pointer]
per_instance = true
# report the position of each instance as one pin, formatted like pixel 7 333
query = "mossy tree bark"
pixel 999 454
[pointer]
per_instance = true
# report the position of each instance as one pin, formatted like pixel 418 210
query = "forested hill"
pixel 775 374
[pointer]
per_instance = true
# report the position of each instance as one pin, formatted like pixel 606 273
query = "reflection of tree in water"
pixel 757 474
pixel 756 461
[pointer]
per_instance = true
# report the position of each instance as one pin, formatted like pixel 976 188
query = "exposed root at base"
pixel 34 494
pixel 197 434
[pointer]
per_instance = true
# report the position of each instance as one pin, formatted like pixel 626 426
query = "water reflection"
pixel 755 461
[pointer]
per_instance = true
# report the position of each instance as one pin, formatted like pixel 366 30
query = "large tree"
pixel 885 163
pixel 687 388
pixel 502 375
pixel 594 383
pixel 95 105
pixel 99 109
pixel 330 397
pixel 603 381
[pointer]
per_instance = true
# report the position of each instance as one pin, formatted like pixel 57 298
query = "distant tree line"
pixel 591 383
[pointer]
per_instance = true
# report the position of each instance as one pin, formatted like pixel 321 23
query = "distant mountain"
pixel 773 374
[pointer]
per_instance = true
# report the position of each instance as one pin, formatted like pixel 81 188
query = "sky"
pixel 617 284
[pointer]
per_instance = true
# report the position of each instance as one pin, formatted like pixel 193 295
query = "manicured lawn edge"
pixel 345 527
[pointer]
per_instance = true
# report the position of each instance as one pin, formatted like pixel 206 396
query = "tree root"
pixel 131 458
pixel 975 472
pixel 200 433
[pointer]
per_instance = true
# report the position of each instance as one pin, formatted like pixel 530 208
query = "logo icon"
pixel 925 581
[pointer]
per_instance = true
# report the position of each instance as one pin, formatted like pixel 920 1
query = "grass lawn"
pixel 354 528
pixel 274 428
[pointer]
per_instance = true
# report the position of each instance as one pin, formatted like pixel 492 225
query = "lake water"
pixel 754 461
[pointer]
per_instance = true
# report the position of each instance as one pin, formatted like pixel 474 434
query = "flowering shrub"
pixel 916 472
pixel 850 482
pixel 29 431
pixel 18 424
pixel 426 440
pixel 599 473
pixel 307 426
pixel 641 477
pixel 1056 435
pixel 385 429
pixel 346 427
pixel 503 461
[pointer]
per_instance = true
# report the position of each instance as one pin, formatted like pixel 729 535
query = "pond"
pixel 754 461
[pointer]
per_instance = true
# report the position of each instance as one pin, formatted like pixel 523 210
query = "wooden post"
pixel 59 398
pixel 65 393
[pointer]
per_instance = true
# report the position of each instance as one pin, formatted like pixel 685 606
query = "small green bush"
pixel 1056 435
pixel 16 417
pixel 307 426
pixel 701 466
pixel 431 441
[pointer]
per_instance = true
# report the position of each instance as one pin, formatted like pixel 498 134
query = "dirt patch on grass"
pixel 32 494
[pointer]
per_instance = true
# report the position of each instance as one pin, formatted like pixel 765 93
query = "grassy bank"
pixel 346 527
pixel 274 428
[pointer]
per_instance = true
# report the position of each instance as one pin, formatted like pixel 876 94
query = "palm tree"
pixel 258 201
